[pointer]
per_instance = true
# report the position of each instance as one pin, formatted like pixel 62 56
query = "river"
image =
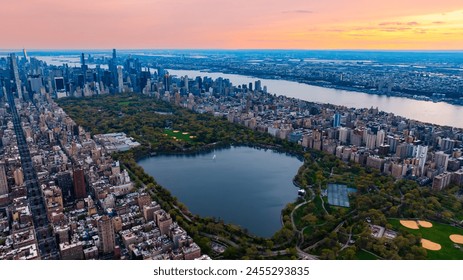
pixel 440 113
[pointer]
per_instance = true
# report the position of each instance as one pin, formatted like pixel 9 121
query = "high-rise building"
pixel 380 136
pixel 186 82
pixel 163 220
pixel 59 84
pixel 18 176
pixel 120 79
pixel 167 82
pixel 25 54
pixel 80 190
pixel 114 54
pixel 64 181
pixel 343 135
pixel 441 181
pixel 106 235
pixel 441 161
pixel 84 67
pixel 258 85
pixel 337 120
pixel 401 150
pixel 356 137
pixel 35 83
pixel 446 144
pixel 421 153
pixel 392 142
pixel 370 141
pixel 15 75
pixel 3 179
pixel 82 59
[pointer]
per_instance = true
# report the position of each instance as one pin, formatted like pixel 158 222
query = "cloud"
pixel 298 12
pixel 389 23
pixel 420 31
pixel 336 30
pixel 394 29
pixel 398 23
pixel 438 22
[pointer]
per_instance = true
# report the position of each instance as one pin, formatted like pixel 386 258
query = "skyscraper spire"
pixel 25 55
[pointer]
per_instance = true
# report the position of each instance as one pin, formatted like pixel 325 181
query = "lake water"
pixel 241 185
pixel 440 113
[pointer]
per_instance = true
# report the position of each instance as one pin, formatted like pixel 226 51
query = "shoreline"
pixel 210 71
pixel 210 149
pixel 322 84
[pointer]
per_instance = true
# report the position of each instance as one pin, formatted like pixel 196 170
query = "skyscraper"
pixel 166 82
pixel 421 153
pixel 380 136
pixel 84 67
pixel 120 79
pixel 106 235
pixel 337 120
pixel 258 85
pixel 114 54
pixel 185 80
pixel 64 181
pixel 25 54
pixel 15 75
pixel 441 161
pixel 3 180
pixel 343 135
pixel 59 84
pixel 370 141
pixel 82 60
pixel 35 83
pixel 80 190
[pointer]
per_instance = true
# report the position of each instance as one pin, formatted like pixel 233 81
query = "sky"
pixel 231 24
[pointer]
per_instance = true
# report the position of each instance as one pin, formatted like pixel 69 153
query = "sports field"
pixel 338 195
pixel 179 135
pixel 438 233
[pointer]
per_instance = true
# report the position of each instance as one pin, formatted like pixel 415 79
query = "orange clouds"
pixel 306 24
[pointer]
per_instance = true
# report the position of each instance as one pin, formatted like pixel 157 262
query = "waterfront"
pixel 440 113
pixel 241 185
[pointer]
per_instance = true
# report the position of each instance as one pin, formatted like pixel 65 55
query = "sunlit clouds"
pixel 264 24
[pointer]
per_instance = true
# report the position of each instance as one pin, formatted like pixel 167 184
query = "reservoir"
pixel 440 113
pixel 240 185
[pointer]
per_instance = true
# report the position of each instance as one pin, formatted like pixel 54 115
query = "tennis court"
pixel 338 195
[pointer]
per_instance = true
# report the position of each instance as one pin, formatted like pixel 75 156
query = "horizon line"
pixel 227 49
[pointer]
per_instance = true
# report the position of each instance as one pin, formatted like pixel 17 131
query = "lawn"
pixel 438 233
pixel 124 103
pixel 184 136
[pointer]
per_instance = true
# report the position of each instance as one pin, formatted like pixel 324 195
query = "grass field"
pixel 124 103
pixel 184 136
pixel 439 233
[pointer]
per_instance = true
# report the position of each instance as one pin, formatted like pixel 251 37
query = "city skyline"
pixel 206 24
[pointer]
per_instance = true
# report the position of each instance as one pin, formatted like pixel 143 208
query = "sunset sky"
pixel 238 24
